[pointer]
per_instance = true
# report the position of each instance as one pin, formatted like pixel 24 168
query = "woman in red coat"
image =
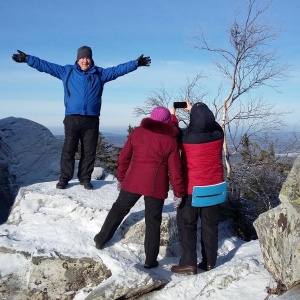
pixel 147 163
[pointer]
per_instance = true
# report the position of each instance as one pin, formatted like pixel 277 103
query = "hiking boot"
pixel 151 266
pixel 204 266
pixel 87 185
pixel 185 270
pixel 99 245
pixel 61 185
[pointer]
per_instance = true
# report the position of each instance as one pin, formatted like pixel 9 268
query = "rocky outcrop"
pixel 278 231
pixel 47 249
pixel 169 244
pixel 46 269
pixel 51 277
pixel 29 153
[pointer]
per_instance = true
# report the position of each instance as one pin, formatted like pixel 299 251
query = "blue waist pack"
pixel 208 195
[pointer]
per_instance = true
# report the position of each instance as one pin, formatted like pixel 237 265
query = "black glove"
pixel 20 58
pixel 144 61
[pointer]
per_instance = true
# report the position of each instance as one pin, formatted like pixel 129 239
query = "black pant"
pixel 86 130
pixel 153 218
pixel 187 220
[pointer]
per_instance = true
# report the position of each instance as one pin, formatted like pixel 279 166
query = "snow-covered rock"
pixel 29 153
pixel 47 247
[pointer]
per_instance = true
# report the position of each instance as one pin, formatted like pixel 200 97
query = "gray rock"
pixel 278 231
pixel 169 245
pixel 29 153
pixel 290 192
pixel 292 294
pixel 25 146
pixel 50 277
pixel 30 145
pixel 63 277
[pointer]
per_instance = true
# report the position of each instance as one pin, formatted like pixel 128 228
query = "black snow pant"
pixel 86 130
pixel 153 218
pixel 187 220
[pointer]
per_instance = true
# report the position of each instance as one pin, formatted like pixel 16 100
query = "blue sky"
pixel 119 31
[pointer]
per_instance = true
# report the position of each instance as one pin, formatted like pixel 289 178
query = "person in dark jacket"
pixel 201 145
pixel 83 87
pixel 148 162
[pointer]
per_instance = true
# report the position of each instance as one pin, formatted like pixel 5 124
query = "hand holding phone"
pixel 180 104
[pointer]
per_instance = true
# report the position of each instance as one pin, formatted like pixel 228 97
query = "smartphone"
pixel 179 104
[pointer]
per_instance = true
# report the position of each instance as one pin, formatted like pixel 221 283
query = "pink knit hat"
pixel 161 114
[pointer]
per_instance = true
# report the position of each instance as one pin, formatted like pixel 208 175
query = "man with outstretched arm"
pixel 83 87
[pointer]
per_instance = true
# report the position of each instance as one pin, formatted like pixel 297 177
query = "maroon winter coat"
pixel 150 160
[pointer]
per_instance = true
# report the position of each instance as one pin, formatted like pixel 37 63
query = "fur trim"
pixel 159 127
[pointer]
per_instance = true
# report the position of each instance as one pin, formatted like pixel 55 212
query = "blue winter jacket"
pixel 82 90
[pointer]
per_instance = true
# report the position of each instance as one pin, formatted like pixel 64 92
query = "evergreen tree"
pixel 255 185
pixel 106 155
pixel 130 129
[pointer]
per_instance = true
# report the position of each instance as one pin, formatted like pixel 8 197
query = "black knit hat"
pixel 84 51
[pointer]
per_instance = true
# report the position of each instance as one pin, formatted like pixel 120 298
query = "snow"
pixel 49 222
pixel 64 222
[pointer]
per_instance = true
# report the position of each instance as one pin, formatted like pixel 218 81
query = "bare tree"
pixel 254 118
pixel 157 98
pixel 192 92
pixel 249 63
pixel 161 97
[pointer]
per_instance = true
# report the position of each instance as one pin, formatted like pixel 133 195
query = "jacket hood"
pixel 201 118
pixel 159 127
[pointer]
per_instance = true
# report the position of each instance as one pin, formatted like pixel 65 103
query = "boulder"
pixel 278 231
pixel 49 277
pixel 29 153
pixel 169 245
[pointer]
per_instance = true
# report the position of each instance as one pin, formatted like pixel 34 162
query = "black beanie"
pixel 84 51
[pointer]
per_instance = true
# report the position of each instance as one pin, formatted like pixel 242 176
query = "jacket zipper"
pixel 155 175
